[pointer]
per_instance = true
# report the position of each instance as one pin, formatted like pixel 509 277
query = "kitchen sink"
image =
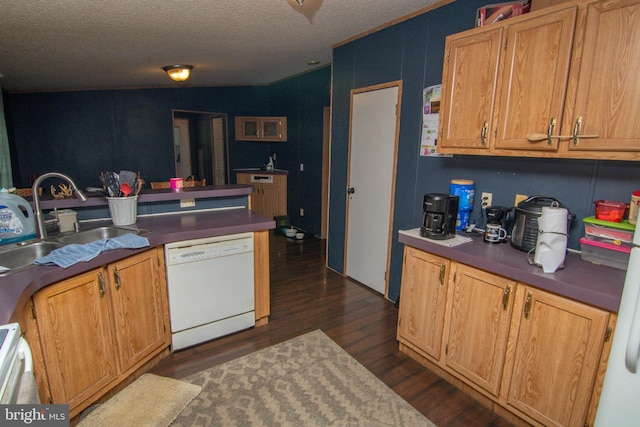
pixel 19 258
pixel 94 234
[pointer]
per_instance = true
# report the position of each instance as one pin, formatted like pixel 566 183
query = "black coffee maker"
pixel 497 215
pixel 439 216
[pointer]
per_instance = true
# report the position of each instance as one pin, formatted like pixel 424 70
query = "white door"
pixel 182 147
pixel 372 157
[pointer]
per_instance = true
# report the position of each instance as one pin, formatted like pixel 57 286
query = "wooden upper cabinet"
pixel 261 128
pixel 534 79
pixel 469 86
pixel 568 71
pixel 605 83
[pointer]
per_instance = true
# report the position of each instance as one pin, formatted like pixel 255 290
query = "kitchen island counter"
pixel 592 284
pixel 16 289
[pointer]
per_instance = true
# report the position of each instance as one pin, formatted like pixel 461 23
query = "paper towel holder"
pixel 531 258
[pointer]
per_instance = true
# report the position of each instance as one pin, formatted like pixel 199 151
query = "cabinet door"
pixel 138 307
pixel 422 301
pixel 469 89
pixel 273 129
pixel 481 305
pixel 76 330
pixel 534 79
pixel 248 128
pixel 557 347
pixel 268 201
pixel 608 89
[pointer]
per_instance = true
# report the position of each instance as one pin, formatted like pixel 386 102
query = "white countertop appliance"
pixel 619 405
pixel 210 283
pixel 17 383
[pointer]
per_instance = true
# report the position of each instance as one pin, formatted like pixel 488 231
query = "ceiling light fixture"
pixel 179 72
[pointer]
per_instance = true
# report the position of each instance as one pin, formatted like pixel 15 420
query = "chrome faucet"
pixel 42 231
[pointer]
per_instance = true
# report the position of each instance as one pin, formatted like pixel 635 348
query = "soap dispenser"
pixel 270 164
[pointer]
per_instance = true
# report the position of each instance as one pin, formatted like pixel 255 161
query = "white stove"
pixel 16 366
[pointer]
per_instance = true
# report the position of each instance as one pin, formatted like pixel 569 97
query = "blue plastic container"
pixel 466 191
pixel 17 222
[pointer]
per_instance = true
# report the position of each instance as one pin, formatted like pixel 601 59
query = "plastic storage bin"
pixel 605 254
pixel 617 233
pixel 609 210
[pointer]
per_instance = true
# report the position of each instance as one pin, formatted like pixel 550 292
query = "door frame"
pixel 326 167
pixel 182 149
pixel 354 92
pixel 225 150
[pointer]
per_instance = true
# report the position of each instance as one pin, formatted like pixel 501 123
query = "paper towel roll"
pixel 551 246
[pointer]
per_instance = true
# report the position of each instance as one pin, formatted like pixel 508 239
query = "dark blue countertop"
pixel 583 281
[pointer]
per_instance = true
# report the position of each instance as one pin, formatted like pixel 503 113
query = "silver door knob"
pixel 351 190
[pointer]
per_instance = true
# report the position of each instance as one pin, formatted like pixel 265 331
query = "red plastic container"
pixel 608 210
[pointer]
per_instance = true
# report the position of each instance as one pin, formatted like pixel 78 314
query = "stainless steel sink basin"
pixel 19 258
pixel 94 234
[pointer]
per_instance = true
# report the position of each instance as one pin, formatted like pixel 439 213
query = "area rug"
pixel 306 381
pixel 150 400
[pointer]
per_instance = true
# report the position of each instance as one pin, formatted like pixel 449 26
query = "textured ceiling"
pixel 90 44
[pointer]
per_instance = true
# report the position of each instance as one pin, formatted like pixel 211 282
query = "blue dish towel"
pixel 68 255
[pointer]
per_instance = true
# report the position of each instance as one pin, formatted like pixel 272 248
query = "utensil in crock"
pixel 125 189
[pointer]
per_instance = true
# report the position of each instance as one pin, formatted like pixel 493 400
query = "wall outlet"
pixel 187 203
pixel 519 198
pixel 274 156
pixel 301 212
pixel 301 167
pixel 486 200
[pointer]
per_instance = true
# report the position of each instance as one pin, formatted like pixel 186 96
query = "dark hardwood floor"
pixel 305 296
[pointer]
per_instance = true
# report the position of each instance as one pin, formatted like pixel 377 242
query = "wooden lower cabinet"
pixel 422 301
pixel 478 313
pixel 97 328
pixel 555 347
pixel 535 357
pixel 270 196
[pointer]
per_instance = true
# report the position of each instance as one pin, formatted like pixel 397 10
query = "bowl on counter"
pixel 290 232
pixel 609 210
pixel 299 236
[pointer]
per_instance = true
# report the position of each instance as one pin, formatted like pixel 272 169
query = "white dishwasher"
pixel 210 284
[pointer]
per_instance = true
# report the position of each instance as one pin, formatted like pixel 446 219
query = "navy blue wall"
pixel 82 133
pixel 412 51
pixel 302 100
